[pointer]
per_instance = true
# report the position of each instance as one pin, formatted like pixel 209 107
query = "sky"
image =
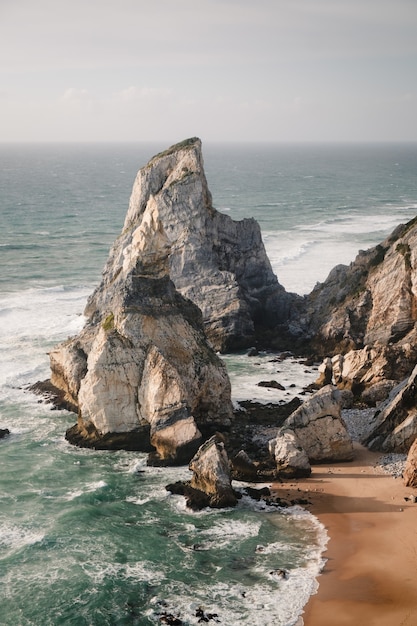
pixel 223 70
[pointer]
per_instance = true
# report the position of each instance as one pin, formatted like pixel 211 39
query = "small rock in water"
pixel 273 384
pixel 171 620
pixel 206 617
pixel 280 573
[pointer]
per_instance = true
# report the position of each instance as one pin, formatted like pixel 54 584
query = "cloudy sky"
pixel 231 70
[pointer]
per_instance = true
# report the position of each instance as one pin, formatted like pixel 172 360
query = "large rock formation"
pixel 219 263
pixel 373 300
pixel 370 307
pixel 320 429
pixel 142 371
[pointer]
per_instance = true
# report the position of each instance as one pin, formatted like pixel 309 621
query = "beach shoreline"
pixel 371 557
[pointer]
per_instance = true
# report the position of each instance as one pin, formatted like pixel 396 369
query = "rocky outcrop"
pixel 410 471
pixel 370 307
pixel 320 429
pixel 394 427
pixel 142 371
pixel 290 457
pixel 211 473
pixel 243 467
pixel 218 263
pixel 378 392
pixel 359 370
pixel 210 485
pixel 365 316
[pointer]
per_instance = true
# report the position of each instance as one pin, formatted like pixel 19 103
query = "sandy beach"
pixel 370 576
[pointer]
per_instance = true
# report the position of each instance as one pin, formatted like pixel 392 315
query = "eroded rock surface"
pixel 370 308
pixel 219 263
pixel 142 371
pixel 210 485
pixel 320 429
pixel 290 457
pixel 211 473
pixel 394 427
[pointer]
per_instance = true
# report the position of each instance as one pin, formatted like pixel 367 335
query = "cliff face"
pixel 372 301
pixel 368 312
pixel 219 263
pixel 142 372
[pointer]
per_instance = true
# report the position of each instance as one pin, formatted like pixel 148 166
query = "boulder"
pixel 175 439
pixel 243 467
pixel 378 392
pixel 325 373
pixel 410 471
pixel 394 426
pixel 4 432
pixel 271 384
pixel 290 457
pixel 211 473
pixel 320 429
pixel 142 372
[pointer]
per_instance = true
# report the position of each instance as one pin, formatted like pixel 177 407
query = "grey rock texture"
pixel 211 473
pixel 142 372
pixel 394 427
pixel 291 458
pixel 378 392
pixel 218 263
pixel 365 368
pixel 320 429
pixel 370 306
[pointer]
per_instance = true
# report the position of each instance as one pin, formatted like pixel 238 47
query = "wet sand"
pixel 370 577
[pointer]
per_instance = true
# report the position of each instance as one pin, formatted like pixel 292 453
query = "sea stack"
pixel 218 263
pixel 142 372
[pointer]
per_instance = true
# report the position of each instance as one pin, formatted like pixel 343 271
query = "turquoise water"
pixel 93 537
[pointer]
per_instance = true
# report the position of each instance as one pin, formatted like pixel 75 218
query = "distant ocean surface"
pixel 92 538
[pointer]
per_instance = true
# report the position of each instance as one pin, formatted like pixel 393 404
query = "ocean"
pixel 93 538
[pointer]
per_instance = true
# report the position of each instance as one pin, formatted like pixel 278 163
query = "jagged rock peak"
pixel 218 263
pixel 178 163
